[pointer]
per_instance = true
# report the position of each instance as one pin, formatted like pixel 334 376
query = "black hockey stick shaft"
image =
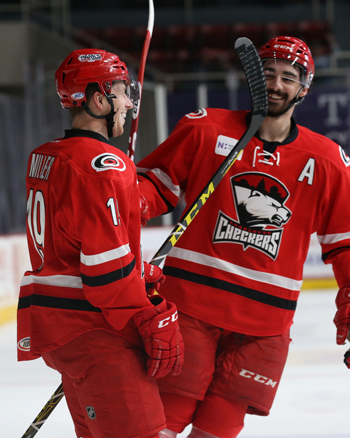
pixel 44 413
pixel 254 73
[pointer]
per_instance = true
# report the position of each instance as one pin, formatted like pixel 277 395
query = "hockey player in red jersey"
pixel 84 308
pixel 236 273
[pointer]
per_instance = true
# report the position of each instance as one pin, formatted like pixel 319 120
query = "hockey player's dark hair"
pixel 90 90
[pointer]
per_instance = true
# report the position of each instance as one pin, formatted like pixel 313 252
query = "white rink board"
pixel 14 261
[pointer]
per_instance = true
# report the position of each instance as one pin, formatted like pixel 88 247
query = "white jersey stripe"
pixel 103 257
pixel 53 280
pixel 328 239
pixel 165 179
pixel 213 262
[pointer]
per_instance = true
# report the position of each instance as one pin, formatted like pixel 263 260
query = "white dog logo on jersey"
pixel 260 206
pixel 108 161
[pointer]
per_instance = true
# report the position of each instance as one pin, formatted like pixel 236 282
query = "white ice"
pixel 312 401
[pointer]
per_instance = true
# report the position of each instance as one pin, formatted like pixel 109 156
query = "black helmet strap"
pixel 108 117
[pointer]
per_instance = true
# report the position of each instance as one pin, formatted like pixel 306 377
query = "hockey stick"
pixel 136 109
pixel 44 413
pixel 254 73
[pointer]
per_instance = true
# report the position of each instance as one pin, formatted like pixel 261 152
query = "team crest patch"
pixel 344 157
pixel 259 201
pixel 108 162
pixel 24 344
pixel 197 114
pixel 91 412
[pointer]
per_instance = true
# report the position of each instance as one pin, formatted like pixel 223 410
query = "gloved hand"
pixel 342 317
pixel 145 215
pixel 161 336
pixel 153 276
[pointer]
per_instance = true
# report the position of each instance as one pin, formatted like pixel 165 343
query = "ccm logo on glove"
pixel 166 321
pixel 153 276
pixel 158 325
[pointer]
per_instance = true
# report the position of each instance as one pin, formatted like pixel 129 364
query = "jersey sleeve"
pixel 164 173
pixel 341 266
pixel 334 226
pixel 100 216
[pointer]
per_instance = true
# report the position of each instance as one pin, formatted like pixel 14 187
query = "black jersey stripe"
pixel 261 297
pixel 56 303
pixel 334 252
pixel 110 277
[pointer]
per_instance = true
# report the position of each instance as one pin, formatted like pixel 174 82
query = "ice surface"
pixel 312 401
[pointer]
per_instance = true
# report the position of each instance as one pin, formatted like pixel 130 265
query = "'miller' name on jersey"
pixel 40 166
pixel 228 230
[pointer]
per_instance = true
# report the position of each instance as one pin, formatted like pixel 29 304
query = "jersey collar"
pixel 271 146
pixel 69 133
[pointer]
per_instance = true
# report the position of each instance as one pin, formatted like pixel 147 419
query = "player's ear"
pixel 97 100
pixel 303 92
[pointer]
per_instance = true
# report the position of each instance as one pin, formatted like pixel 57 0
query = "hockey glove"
pixel 154 277
pixel 145 216
pixel 342 317
pixel 161 336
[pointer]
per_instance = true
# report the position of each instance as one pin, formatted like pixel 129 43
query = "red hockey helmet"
pixel 294 50
pixel 86 66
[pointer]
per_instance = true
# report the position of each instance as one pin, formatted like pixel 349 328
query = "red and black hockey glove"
pixel 342 319
pixel 154 277
pixel 161 336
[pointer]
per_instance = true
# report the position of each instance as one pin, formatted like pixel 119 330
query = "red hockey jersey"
pixel 83 231
pixel 239 265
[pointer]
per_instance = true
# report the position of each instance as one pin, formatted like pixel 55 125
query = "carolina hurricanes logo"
pixel 197 114
pixel 260 206
pixel 108 162
pixel 344 157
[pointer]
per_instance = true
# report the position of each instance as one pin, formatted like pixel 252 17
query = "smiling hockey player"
pixel 236 273
pixel 83 307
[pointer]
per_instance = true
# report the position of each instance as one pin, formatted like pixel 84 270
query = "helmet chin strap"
pixel 295 101
pixel 109 117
